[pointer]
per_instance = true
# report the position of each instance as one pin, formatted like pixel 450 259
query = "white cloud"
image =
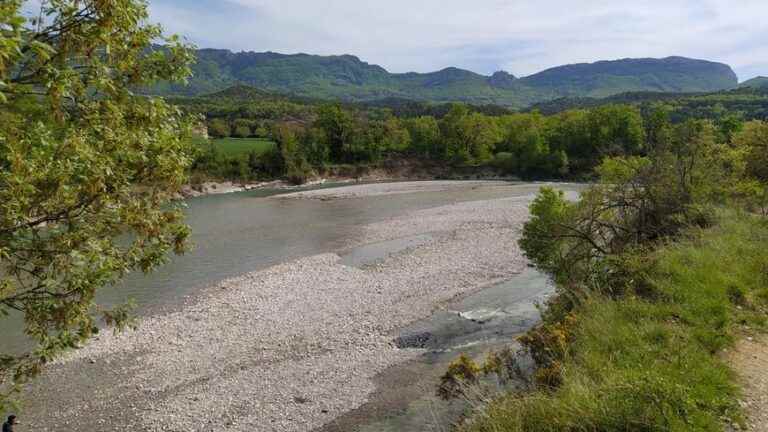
pixel 522 37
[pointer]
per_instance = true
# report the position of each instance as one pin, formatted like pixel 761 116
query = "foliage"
pixel 653 277
pixel 88 167
pixel 648 362
pixel 747 103
pixel 567 144
pixel 425 137
pixel 468 136
pixel 219 128
pixel 639 200
pixel 242 146
pixel 297 170
pixel 461 373
pixel 751 142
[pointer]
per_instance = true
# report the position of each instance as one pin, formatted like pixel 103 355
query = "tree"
pixel 87 166
pixel 525 138
pixel 751 144
pixel 425 136
pixel 242 131
pixel 567 135
pixel 314 147
pixel 338 127
pixel 241 128
pixel 614 130
pixel 395 136
pixel 469 137
pixel 295 164
pixel 219 128
pixel 753 140
pixel 638 201
pixel 454 134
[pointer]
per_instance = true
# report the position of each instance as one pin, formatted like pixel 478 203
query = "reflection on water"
pixel 246 231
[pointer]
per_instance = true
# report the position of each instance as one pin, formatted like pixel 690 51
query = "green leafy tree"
pixel 614 130
pixel 753 140
pixel 338 126
pixel 241 128
pixel 425 137
pixel 658 127
pixel 297 170
pixel 395 137
pixel 750 144
pixel 728 125
pixel 567 134
pixel 469 137
pixel 87 166
pixel 314 147
pixel 219 128
pixel 454 134
pixel 637 201
pixel 242 131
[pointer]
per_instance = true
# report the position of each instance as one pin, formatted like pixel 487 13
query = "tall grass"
pixel 654 363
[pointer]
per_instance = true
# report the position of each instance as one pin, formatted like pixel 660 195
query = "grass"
pixel 635 364
pixel 236 147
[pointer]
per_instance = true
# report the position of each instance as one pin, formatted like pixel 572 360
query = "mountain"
pixel 757 82
pixel 606 78
pixel 348 78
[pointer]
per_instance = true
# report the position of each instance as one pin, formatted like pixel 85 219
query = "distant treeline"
pixel 748 103
pixel 565 145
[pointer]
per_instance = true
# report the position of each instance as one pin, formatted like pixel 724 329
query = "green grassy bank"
pixel 653 361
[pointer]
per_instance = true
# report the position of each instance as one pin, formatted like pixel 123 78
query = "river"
pixel 241 232
pixel 360 310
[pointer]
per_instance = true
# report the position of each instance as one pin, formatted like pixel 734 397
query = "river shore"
pixel 398 170
pixel 291 347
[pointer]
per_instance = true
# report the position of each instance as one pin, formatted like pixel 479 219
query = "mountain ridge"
pixel 347 77
pixel 756 82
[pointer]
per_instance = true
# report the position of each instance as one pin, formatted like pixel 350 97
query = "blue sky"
pixel 521 37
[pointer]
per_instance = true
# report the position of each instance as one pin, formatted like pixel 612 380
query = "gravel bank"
pixel 379 189
pixel 288 348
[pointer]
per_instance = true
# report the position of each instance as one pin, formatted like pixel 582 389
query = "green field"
pixel 242 146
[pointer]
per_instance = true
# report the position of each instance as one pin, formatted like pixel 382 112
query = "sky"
pixel 520 37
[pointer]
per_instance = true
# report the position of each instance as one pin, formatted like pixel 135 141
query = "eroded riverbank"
pixel 288 348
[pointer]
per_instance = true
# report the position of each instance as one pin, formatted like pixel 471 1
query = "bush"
pixel 634 363
pixel 242 131
pixel 219 128
pixel 461 373
pixel 505 162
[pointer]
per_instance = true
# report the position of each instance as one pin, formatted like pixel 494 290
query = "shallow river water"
pixel 241 232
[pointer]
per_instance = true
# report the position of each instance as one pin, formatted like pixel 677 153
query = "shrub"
pixel 461 372
pixel 505 162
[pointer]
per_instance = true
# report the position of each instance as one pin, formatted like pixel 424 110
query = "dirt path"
pixel 750 359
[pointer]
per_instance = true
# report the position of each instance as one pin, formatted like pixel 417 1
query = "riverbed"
pixel 289 311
